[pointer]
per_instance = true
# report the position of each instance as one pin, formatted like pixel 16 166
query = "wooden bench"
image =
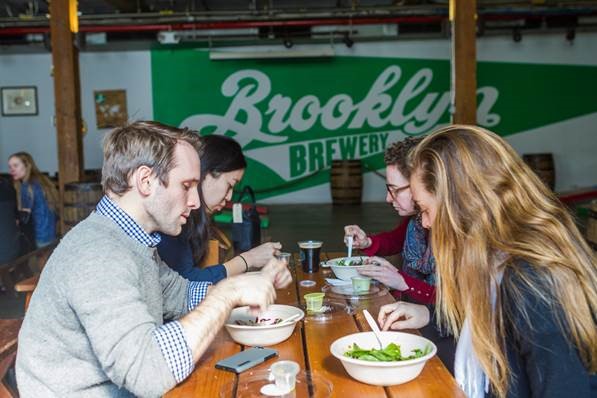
pixel 9 333
pixel 30 263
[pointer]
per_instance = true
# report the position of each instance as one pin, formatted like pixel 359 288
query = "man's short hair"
pixel 397 154
pixel 142 143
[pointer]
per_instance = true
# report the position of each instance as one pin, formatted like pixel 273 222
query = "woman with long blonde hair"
pixel 517 283
pixel 36 196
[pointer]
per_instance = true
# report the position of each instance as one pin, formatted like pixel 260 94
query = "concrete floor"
pixel 288 225
pixel 325 222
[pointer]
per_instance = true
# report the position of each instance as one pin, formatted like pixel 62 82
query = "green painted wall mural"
pixel 293 117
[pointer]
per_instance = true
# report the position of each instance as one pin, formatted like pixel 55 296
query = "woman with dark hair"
pixel 222 167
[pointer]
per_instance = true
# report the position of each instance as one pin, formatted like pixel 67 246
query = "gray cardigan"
pixel 88 328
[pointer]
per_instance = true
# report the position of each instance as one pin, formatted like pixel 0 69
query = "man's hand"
pixel 253 289
pixel 401 315
pixel 360 239
pixel 278 273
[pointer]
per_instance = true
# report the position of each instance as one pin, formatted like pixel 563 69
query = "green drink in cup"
pixel 361 283
pixel 314 301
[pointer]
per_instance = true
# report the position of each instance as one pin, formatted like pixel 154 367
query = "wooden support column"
pixel 464 61
pixel 65 59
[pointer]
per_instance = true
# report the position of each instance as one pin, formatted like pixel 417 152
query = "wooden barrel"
pixel 92 175
pixel 542 164
pixel 346 181
pixel 592 225
pixel 80 199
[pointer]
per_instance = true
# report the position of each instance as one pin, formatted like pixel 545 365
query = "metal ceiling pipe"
pixel 228 25
pixel 159 24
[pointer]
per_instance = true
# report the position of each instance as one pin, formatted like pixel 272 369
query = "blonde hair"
pixel 32 174
pixel 495 214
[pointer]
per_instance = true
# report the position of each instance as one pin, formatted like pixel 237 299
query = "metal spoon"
pixel 374 327
pixel 349 244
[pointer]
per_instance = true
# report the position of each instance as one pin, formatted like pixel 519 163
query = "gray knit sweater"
pixel 88 328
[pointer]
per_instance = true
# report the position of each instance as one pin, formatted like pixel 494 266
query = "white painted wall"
pixel 99 71
pixel 130 71
pixel 34 134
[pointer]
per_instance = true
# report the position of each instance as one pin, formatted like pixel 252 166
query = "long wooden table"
pixel 309 347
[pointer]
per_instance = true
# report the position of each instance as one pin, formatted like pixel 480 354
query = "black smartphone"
pixel 246 359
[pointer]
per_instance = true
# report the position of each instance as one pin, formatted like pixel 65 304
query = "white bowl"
pixel 383 373
pixel 345 272
pixel 262 335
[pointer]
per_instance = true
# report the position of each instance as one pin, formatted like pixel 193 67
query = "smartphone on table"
pixel 246 359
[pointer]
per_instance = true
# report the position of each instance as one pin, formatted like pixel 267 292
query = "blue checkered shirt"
pixel 170 336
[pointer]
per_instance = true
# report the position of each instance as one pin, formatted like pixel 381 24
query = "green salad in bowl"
pixel 350 261
pixel 401 359
pixel 390 353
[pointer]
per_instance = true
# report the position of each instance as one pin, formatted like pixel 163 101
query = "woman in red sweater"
pixel 417 277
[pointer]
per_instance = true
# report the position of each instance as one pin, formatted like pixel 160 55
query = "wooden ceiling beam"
pixel 67 97
pixel 464 60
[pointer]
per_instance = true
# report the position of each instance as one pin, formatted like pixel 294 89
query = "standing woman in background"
pixel 517 283
pixel 36 196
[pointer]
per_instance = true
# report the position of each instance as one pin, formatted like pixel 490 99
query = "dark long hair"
pixel 219 154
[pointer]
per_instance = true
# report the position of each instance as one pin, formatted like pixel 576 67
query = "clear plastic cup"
pixel 284 257
pixel 314 301
pixel 283 374
pixel 361 283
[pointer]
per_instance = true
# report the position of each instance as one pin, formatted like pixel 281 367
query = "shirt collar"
pixel 108 208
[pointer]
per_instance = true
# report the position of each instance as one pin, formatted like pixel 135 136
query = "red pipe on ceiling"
pixel 257 24
pixel 228 25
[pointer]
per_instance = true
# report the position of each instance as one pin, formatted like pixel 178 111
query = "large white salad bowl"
pixel 345 272
pixel 383 373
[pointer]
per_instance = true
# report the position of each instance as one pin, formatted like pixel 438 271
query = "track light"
pixel 480 28
pixel 47 42
pixel 348 41
pixel 516 35
pixel 570 34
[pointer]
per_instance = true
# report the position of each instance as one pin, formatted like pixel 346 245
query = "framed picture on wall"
pixel 19 101
pixel 110 108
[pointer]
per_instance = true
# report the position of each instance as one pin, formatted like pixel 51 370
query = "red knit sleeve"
pixel 418 290
pixel 388 243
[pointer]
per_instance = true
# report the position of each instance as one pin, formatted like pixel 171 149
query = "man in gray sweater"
pixel 108 317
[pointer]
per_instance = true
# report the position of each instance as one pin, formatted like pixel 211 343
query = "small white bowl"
pixel 345 272
pixel 383 373
pixel 262 335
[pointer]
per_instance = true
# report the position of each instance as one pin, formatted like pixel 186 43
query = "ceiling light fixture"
pixel 516 35
pixel 226 55
pixel 348 40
